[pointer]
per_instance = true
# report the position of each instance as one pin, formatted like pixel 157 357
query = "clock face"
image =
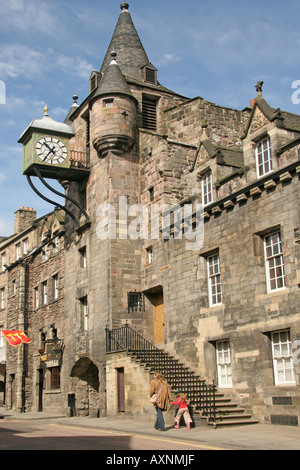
pixel 51 150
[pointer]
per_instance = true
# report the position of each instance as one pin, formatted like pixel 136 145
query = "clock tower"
pixel 46 150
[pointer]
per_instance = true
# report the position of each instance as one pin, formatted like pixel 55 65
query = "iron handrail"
pixel 126 339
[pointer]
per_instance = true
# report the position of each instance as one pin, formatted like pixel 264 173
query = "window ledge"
pixel 212 308
pixel 274 293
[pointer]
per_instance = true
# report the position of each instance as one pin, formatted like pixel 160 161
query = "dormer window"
pixel 150 74
pixel 95 79
pixel 264 157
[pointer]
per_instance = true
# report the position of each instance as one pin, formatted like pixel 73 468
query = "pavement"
pixel 245 437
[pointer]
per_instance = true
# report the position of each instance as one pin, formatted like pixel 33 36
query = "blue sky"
pixel 217 50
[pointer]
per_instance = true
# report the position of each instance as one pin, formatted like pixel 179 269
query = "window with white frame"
pixel 264 157
pixel 224 364
pixel 18 250
pixel 44 293
pixel 56 244
pixel 274 262
pixel 207 188
pixel 2 298
pixel 84 313
pixel 36 297
pixel 45 253
pixel 25 246
pixel 214 280
pixel 55 287
pixel 282 358
pixel 150 255
pixel 3 262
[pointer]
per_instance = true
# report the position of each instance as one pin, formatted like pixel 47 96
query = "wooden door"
pixel 159 318
pixel 121 389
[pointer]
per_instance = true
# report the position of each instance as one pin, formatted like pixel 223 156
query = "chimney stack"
pixel 24 218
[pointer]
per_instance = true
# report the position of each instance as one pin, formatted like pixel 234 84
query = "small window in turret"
pixel 150 74
pixel 108 103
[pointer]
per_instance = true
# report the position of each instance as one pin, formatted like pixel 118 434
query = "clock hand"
pixel 51 149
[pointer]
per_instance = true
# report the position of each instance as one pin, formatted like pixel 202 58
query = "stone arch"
pixel 85 385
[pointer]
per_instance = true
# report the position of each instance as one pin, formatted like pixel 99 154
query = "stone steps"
pixel 179 377
pixel 206 403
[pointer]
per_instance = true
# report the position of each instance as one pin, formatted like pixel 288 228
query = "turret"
pixel 113 113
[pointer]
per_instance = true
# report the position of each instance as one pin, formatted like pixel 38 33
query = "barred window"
pixel 136 302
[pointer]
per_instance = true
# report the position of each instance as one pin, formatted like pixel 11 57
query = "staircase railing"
pixel 125 338
pixel 202 395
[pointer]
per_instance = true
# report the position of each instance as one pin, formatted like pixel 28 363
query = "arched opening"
pixel 85 387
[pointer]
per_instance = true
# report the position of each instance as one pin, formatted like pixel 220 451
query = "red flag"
pixel 15 337
pixel 24 337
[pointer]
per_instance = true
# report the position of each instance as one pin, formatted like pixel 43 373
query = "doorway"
pixel 40 389
pixel 159 317
pixel 121 389
pixel 84 385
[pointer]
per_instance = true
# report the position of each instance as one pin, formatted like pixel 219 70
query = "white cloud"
pixel 28 16
pixel 18 60
pixel 76 66
pixel 227 37
pixel 2 177
pixel 171 58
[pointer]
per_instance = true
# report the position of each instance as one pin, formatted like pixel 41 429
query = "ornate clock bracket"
pixel 76 222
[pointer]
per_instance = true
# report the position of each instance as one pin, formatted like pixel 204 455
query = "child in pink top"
pixel 183 410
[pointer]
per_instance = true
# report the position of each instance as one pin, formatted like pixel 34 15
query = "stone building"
pixel 192 242
pixel 32 284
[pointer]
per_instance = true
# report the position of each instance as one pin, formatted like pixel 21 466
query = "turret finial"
pixel 124 6
pixel 46 109
pixel 113 56
pixel 75 98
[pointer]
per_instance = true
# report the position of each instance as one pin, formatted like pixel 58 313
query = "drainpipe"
pixel 25 264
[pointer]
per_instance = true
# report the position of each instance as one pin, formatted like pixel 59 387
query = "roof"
pixel 226 156
pixel 113 81
pixel 289 121
pixel 47 124
pixel 127 44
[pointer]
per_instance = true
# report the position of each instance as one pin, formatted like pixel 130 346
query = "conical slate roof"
pixel 113 81
pixel 127 44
